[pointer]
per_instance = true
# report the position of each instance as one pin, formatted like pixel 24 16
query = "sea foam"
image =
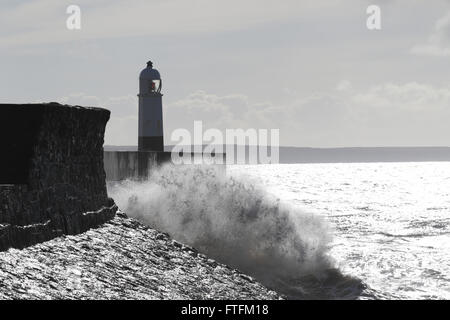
pixel 231 219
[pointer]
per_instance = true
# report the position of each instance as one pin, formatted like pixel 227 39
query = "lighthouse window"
pixel 155 86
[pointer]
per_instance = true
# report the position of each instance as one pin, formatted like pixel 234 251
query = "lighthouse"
pixel 150 110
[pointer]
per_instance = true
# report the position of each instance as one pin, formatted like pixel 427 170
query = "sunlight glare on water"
pixel 391 220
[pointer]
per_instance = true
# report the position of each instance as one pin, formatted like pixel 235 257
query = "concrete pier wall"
pixel 136 165
pixel 121 165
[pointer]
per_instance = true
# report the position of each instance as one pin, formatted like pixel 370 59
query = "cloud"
pixel 438 42
pixel 387 114
pixel 44 21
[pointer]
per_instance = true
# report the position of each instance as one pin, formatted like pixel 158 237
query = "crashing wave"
pixel 238 223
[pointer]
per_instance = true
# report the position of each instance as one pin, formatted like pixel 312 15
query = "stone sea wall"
pixel 52 180
pixel 121 259
pixel 73 241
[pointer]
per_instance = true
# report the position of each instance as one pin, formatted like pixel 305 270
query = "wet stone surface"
pixel 121 259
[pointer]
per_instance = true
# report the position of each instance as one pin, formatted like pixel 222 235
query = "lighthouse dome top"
pixel 149 73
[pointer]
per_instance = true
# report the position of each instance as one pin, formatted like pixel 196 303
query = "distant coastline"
pixel 346 155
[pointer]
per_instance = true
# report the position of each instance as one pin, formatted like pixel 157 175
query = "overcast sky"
pixel 309 68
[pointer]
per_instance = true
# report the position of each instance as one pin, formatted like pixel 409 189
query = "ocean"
pixel 390 221
pixel 326 231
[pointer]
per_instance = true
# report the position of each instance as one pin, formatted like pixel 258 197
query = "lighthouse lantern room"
pixel 150 110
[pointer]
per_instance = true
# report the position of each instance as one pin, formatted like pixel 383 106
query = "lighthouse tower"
pixel 150 110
